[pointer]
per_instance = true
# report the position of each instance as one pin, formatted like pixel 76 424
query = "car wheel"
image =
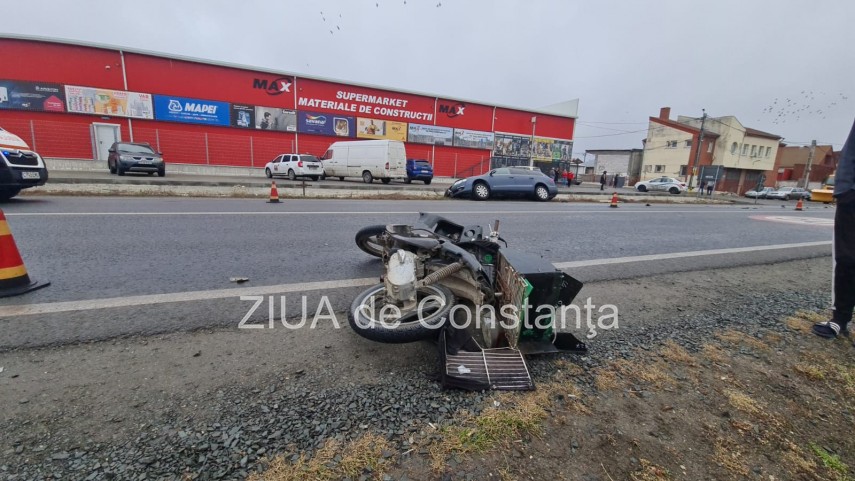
pixel 341 179
pixel 291 175
pixel 385 181
pixel 674 190
pixel 268 173
pixel 150 173
pixel 315 178
pixel 408 180
pixel 480 191
pixel 641 188
pixel 427 181
pixel 541 193
pixel 119 170
pixel 367 177
pixel 112 168
pixel 161 172
pixel 8 193
pixel 323 176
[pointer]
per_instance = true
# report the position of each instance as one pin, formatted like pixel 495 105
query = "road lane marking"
pixel 680 255
pixel 523 212
pixel 792 219
pixel 151 299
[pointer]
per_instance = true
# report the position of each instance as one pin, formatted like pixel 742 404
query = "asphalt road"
pixel 119 248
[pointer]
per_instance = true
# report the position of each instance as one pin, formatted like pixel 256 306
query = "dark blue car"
pixel 505 182
pixel 419 169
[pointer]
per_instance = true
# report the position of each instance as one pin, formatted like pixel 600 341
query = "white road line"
pixel 679 255
pixel 70 306
pixel 524 212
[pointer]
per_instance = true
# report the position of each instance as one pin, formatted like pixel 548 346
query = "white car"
pixel 295 165
pixel 663 184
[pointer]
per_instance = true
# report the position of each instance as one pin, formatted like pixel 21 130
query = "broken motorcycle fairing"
pixel 487 306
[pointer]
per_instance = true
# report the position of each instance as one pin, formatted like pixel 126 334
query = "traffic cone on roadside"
pixel 274 194
pixel 14 279
pixel 614 201
pixel 800 204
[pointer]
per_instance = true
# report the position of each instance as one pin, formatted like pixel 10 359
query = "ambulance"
pixel 20 167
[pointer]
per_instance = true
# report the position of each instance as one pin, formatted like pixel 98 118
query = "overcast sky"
pixel 782 66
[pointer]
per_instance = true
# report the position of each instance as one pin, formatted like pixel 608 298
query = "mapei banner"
pixel 42 97
pixel 380 129
pixel 88 100
pixel 191 111
pixel 326 124
pixel 430 134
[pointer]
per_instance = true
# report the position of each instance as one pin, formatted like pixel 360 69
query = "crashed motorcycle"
pixel 486 306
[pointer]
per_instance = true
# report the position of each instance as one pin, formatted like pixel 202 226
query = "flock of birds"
pixel 789 109
pixel 376 4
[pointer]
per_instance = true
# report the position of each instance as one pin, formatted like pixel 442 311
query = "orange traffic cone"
pixel 614 201
pixel 14 279
pixel 800 204
pixel 274 194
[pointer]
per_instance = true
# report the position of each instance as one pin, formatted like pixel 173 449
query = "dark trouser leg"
pixel 844 262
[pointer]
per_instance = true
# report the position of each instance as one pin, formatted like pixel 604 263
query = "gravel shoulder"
pixel 214 404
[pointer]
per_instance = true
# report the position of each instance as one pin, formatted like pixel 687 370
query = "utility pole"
pixel 809 163
pixel 698 149
pixel 531 150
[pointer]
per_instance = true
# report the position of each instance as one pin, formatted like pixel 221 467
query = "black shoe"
pixel 830 329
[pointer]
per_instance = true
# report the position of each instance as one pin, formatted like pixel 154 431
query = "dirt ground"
pixel 722 398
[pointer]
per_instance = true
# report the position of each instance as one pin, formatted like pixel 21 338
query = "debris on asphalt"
pixel 239 280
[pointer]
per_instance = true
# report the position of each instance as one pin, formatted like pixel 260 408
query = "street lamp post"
pixel 531 149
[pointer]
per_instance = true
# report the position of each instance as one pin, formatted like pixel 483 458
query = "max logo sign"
pixel 273 87
pixel 453 110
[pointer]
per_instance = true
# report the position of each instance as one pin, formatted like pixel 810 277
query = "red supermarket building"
pixel 70 101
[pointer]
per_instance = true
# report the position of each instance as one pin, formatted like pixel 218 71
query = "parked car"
pixel 419 169
pixel 505 182
pixel 759 194
pixel 20 167
pixel 369 159
pixel 135 157
pixel 663 184
pixel 787 193
pixel 295 165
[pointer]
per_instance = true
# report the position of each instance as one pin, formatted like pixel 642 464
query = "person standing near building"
pixel 710 186
pixel 701 186
pixel 843 248
pixel 603 180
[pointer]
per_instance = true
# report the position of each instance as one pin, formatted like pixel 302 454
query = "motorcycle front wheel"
pixel 366 315
pixel 367 240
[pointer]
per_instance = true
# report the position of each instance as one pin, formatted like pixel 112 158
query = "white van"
pixel 369 159
pixel 20 167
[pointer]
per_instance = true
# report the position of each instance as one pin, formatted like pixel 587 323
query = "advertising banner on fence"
pixel 473 139
pixel 430 134
pixel 88 100
pixel 509 145
pixel 243 116
pixel 326 124
pixel 380 129
pixel 191 111
pixel 562 150
pixel 542 149
pixel 280 120
pixel 42 97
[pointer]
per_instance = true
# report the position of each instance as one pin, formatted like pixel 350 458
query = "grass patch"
pixel 714 354
pixel 650 373
pixel 744 403
pixel 677 354
pixel 810 371
pixel 728 457
pixel 831 461
pixel 741 339
pixel 332 462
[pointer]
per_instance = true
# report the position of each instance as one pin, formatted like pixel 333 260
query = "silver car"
pixel 666 184
pixel 759 194
pixel 787 193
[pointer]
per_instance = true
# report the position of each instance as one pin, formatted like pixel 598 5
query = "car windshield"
pixel 422 163
pixel 309 158
pixel 136 148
